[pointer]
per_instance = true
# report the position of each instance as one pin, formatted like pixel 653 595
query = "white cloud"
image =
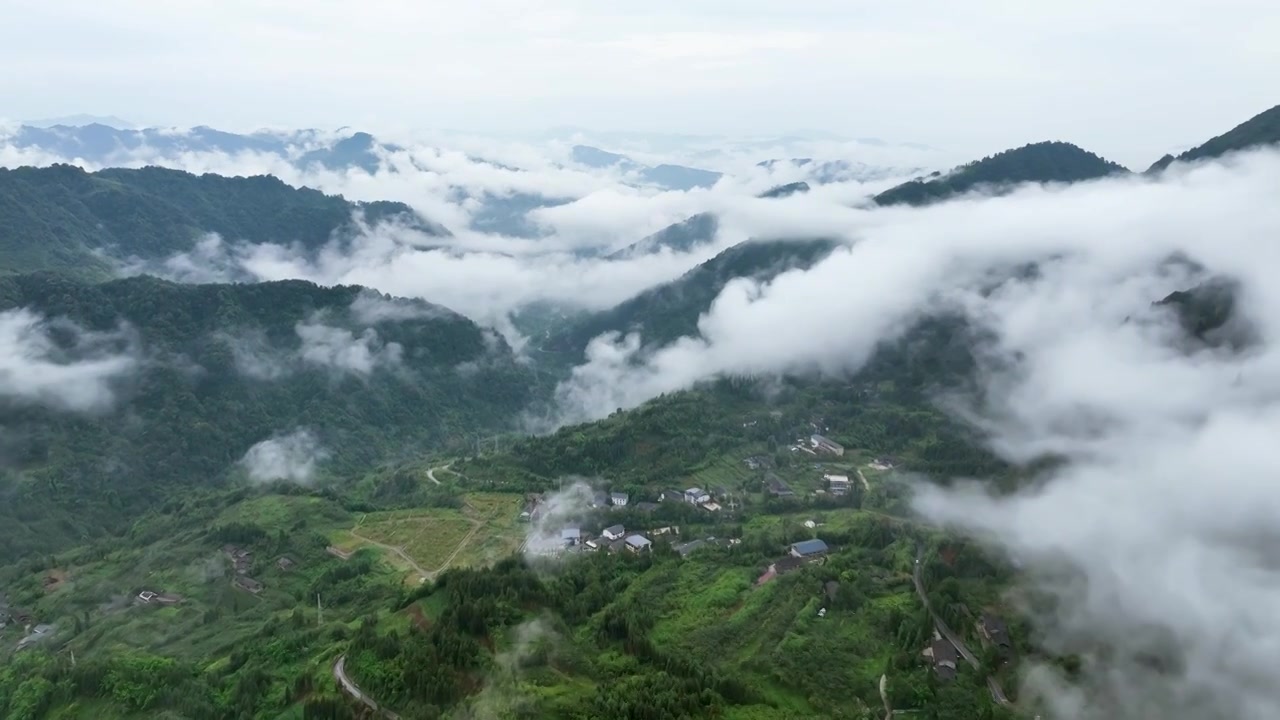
pixel 342 350
pixel 292 458
pixel 901 262
pixel 56 363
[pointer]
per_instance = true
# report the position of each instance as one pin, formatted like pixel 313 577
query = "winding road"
pixel 350 688
pixel 431 472
pixel 997 692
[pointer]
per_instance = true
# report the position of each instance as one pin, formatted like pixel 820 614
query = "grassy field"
pixel 483 531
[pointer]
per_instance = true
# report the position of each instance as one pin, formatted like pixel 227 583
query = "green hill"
pixel 1261 129
pixel 670 311
pixel 207 372
pixel 1044 162
pixel 66 219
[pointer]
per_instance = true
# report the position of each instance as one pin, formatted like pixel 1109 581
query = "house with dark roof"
pixel 942 655
pixel 996 632
pixel 808 548
pixel 599 499
pixel 685 548
pixel 671 495
pixel 619 499
pixel 614 532
pixel 775 487
pixel 248 584
pixel 570 536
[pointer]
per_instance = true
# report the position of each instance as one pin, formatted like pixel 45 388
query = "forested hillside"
pixel 186 378
pixel 1045 162
pixel 1261 129
pixel 66 219
pixel 666 312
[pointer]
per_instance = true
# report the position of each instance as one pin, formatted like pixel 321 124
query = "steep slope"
pixel 1261 129
pixel 1043 162
pixel 161 387
pixel 680 237
pixel 670 311
pixel 63 218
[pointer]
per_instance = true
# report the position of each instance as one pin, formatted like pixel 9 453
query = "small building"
pixel 666 530
pixel 614 532
pixel 38 633
pixel 883 463
pixel 146 596
pixel 996 632
pixel 808 548
pixel 248 584
pixel 775 487
pixel 285 563
pixel 823 444
pixel 942 655
pixel 646 507
pixel 599 499
pixel 671 495
pixel 638 543
pixel 619 499
pixel 710 506
pixel 839 484
pixel 685 548
pixel 696 496
pixel 570 536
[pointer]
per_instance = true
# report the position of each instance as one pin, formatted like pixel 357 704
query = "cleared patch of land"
pixel 427 541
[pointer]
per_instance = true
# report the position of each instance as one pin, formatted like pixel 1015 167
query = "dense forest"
pixel 66 219
pixel 1045 162
pixel 207 371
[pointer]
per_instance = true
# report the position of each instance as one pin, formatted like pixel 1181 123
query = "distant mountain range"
pixel 85 224
pixel 823 172
pixel 669 177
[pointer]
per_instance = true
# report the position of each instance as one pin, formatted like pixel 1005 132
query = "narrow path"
pixel 884 697
pixel 350 688
pixel 997 692
pixel 865 485
pixel 424 574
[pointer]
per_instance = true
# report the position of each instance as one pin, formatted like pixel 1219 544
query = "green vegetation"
pixel 1262 129
pixel 66 219
pixel 222 367
pixel 670 311
pixel 1044 162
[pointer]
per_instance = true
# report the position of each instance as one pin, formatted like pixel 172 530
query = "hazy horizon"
pixel 1129 83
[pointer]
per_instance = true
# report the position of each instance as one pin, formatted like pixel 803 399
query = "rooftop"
pixel 809 547
pixel 638 541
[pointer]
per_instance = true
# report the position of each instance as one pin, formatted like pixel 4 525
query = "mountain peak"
pixel 1042 162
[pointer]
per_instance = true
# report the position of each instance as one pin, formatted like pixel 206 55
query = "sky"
pixel 1128 80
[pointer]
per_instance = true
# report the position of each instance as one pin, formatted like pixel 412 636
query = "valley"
pixel 852 466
